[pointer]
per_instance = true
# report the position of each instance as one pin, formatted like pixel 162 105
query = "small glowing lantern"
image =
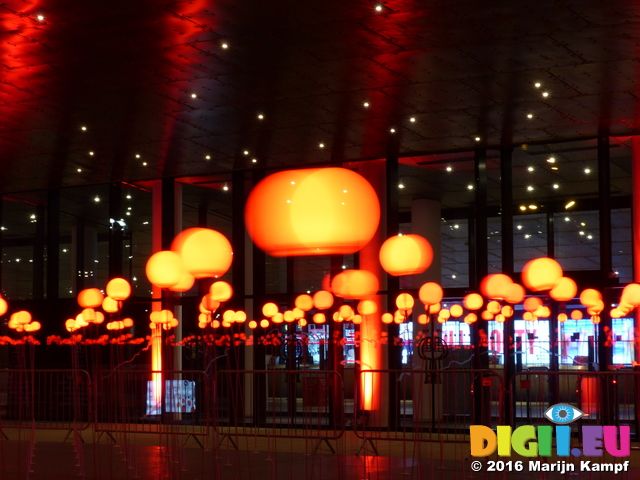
pixel 205 252
pixel 264 323
pixel 110 305
pixel 496 286
pixel 319 318
pixel 562 317
pixel 564 290
pixel 387 318
pixel 119 289
pixel 269 309
pixel 322 300
pixel 185 283
pixel 516 294
pixel 304 302
pixel 406 255
pixel 531 304
pixel 456 311
pixel 318 211
pixel 470 318
pixel 3 306
pixel 165 269
pixel 220 291
pixel 355 284
pixel 253 324
pixel 404 301
pixel 473 301
pixel 541 274
pixel 90 298
pixel 590 297
pixel 430 293
pixel 435 308
pixel 367 307
pixel 576 315
pixel 631 294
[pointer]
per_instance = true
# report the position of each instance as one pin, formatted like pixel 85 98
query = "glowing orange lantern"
pixel 119 289
pixel 631 294
pixel 209 304
pixel 423 319
pixel 404 301
pixel 430 293
pixel 110 305
pixel 500 318
pixel 316 211
pixel 564 290
pixel 456 311
pixel 345 312
pixel 288 316
pixel 128 323
pixel 434 308
pixel 576 315
pixel 531 304
pixel 269 309
pixel 205 252
pixel 444 314
pixel 493 307
pixel 470 318
pixel 90 298
pixel 387 318
pixel 164 269
pixel 496 286
pixel 406 255
pixel 541 274
pixel 562 317
pixel 487 315
pixel 220 291
pixel 298 313
pixel 3 306
pixel 473 301
pixel 528 316
pixel 590 297
pixel 185 283
pixel 278 318
pixel 367 307
pixel 322 300
pixel 507 311
pixel 304 302
pixel 264 323
pixel 355 284
pixel 319 318
pixel 516 294
pixel 22 317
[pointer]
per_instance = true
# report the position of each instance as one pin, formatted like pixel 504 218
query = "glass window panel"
pixel 529 238
pixel 577 240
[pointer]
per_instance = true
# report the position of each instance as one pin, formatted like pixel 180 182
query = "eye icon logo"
pixel 562 414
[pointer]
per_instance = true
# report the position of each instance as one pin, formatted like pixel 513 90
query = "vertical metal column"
pixel 605 351
pixel 506 221
pixel 53 244
pixel 236 356
pixel 39 253
pixel 116 234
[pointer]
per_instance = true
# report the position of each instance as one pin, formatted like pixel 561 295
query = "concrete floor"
pixel 168 456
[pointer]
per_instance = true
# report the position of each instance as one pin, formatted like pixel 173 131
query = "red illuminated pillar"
pixel 635 210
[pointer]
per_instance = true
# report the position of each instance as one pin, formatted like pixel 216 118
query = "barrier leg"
pixel 373 447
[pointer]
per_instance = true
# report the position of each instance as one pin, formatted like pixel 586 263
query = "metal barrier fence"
pixel 45 399
pixel 152 402
pixel 430 405
pixel 605 398
pixel 279 403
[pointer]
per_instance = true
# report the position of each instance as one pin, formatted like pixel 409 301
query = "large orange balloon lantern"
pixel 355 284
pixel 316 211
pixel 496 286
pixel 119 289
pixel 430 293
pixel 205 252
pixel 3 306
pixel 541 274
pixel 90 298
pixel 564 290
pixel 406 255
pixel 165 269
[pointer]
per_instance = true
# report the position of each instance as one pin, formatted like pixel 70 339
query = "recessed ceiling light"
pixel 453 276
pixel 193 95
pixel 128 197
pixel 321 145
pixel 555 185
pixel 554 168
pixel 207 157
pixel 225 188
pixel 545 94
pixel 551 160
pixel 581 232
pixel 40 18
pixel 533 207
pixel 84 129
pixel 144 164
pixel 254 160
pixel 366 104
pixel 570 204
pixel 225 45
pixel 449 169
pixel 378 8
pixel 587 171
pixel 477 139
pixel 566 219
pixel 91 153
pixel 393 130
pixel 246 152
pixel 523 208
pixel 470 187
pixel 456 226
pixel 137 155
pixel 537 84
pixel 527 236
pixel 589 237
pixel 79 170
pixel 260 116
pixel 96 199
pixel 530 188
pixel 400 185
pixel 530 169
pixel 582 224
pixel 529 115
pixel 412 119
pixel 519 227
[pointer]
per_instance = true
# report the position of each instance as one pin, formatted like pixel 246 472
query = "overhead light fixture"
pixel 225 187
pixel 412 119
pixel 523 208
pixel 96 199
pixel 137 155
pixel 40 18
pixel 566 219
pixel 477 139
pixel 551 160
pixel 519 227
pixel 378 8
pixel 260 116
pixel 193 95
pixel 554 168
pixel 83 128
pixel 537 85
pixel 225 45
pixel 530 169
pixel 401 185
pixel 91 153
pixel 449 169
pixel 587 171
pixel 529 115
pixel 207 157
pixel 321 145
pixel 254 160
pixel 545 94
pixel 556 186
pixel 470 187
pixel 570 204
pixel 393 130
pixel 366 104
pixel 246 152
pixel 79 170
pixel 530 188
pixel 533 207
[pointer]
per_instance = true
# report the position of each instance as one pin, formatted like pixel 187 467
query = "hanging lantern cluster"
pixel 164 319
pixel 90 299
pixel 22 322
